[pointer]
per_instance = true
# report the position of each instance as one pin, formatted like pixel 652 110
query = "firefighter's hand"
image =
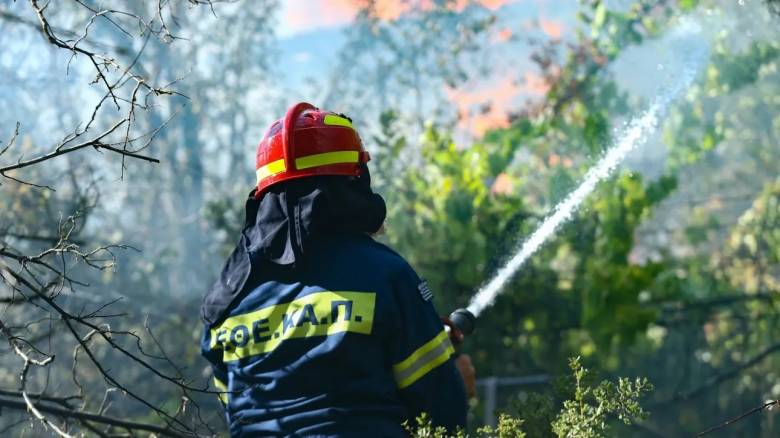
pixel 469 374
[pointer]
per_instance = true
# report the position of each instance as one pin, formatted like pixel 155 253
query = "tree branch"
pixel 767 405
pixel 85 416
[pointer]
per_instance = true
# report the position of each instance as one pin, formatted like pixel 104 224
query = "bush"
pixel 585 415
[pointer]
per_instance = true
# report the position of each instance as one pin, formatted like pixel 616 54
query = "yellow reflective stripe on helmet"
pixel 222 388
pixel 270 169
pixel 339 157
pixel 434 353
pixel 331 119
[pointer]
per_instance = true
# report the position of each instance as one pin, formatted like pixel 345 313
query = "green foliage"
pixel 586 416
pixel 471 211
pixel 754 245
pixel 424 428
pixel 605 288
pixel 539 409
pixel 508 427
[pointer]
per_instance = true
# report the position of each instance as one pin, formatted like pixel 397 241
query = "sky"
pixel 302 16
pixel 311 33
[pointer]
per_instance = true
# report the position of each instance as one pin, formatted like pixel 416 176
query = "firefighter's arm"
pixel 423 358
pixel 213 354
pixel 468 373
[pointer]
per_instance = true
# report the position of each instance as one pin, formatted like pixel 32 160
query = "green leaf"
pixel 600 16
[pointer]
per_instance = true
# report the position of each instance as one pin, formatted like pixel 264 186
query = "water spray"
pixel 634 134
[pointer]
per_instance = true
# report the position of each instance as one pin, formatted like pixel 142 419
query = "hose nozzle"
pixel 463 320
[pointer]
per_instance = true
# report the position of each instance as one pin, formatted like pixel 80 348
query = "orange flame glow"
pixel 551 28
pixel 302 15
pixel 486 107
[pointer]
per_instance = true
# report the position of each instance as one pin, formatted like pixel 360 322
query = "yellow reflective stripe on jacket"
pixel 338 157
pixel 270 169
pixel 434 353
pixel 222 388
pixel 317 314
pixel 331 119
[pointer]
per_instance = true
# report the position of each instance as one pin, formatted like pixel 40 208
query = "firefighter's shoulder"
pixel 380 255
pixel 385 264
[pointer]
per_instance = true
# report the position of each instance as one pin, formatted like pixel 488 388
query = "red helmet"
pixel 308 142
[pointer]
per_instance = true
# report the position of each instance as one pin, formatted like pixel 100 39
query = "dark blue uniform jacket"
pixel 344 344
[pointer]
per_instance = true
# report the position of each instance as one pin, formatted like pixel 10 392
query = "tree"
pixel 637 284
pixel 401 62
pixel 67 340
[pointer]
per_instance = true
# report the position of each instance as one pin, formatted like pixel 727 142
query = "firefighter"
pixel 313 328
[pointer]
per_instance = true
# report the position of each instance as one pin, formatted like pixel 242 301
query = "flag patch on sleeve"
pixel 425 291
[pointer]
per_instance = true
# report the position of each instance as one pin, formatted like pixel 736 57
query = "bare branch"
pixel 768 405
pixel 94 418
pixel 11 141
